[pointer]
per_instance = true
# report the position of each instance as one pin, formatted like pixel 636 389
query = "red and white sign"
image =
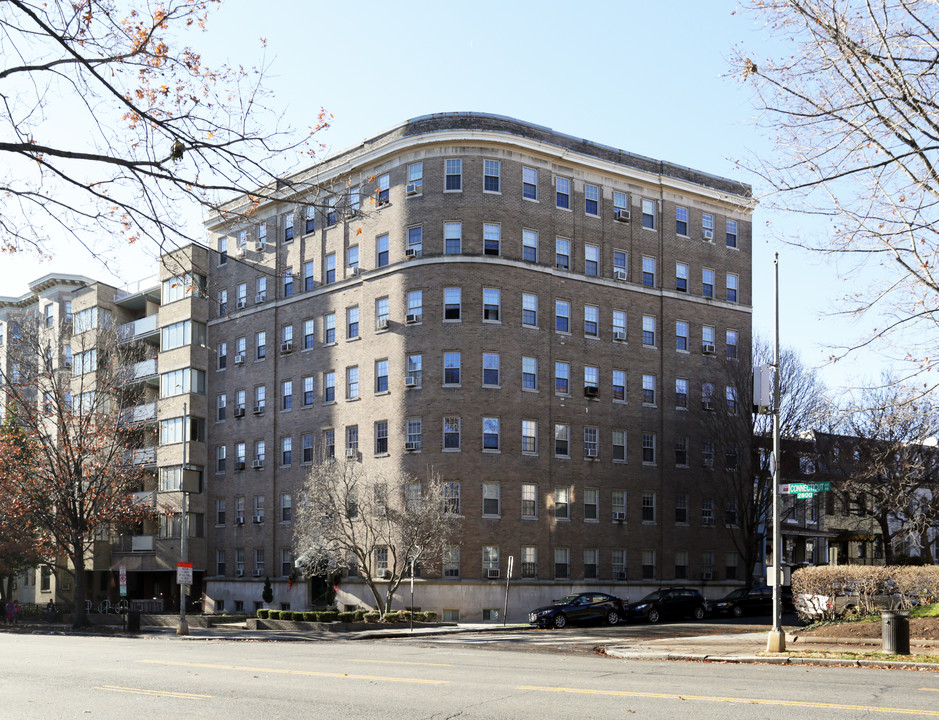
pixel 184 573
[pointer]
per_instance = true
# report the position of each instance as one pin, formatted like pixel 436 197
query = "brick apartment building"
pixel 537 318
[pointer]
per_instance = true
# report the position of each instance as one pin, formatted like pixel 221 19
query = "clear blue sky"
pixel 648 77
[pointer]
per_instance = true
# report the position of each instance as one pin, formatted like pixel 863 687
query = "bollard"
pixel 895 632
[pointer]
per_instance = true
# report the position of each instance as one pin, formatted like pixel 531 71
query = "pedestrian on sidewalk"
pixel 16 610
pixel 10 611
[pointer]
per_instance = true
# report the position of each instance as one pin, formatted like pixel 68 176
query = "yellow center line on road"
pixel 402 662
pixel 744 701
pixel 308 673
pixel 930 689
pixel 159 693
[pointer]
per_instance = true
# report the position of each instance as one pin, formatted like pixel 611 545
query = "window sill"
pixel 329 402
pixel 383 393
pixel 353 339
pixel 330 344
pixel 353 399
pixel 452 385
pixel 492 387
pixel 451 450
pixel 564 209
pixel 592 520
pixel 382 455
pixel 492 451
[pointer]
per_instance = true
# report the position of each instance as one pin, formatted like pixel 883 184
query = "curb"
pixel 770 660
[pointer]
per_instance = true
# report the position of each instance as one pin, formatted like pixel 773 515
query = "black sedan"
pixel 755 601
pixel 584 608
pixel 669 603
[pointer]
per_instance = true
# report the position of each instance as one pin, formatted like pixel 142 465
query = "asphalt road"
pixel 54 676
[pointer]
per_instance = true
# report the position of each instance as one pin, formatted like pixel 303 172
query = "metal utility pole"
pixel 183 627
pixel 776 642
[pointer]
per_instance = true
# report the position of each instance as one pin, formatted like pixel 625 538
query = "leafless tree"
pixel 742 484
pixel 358 521
pixel 75 481
pixel 852 107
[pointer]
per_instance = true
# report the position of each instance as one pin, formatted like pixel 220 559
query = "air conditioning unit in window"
pixel 410 446
pixel 286 346
pixel 260 297
pixel 620 516
pixel 619 275
pixel 353 270
pixel 240 573
pixel 590 453
pixel 708 348
pixel 239 465
pixel 239 412
pixel 240 521
pixel 492 573
pixel 258 519
pixel 620 575
pixel 413 188
pixel 259 246
pixel 707 575
pixel 242 250
pixel 708 234
pixel 258 409
pixel 619 336
pixel 385 574
pixel 591 391
pixel 351 453
pixel 707 404
pixel 412 253
pixel 621 215
pixel 410 381
pixel 258 573
pixel 241 304
pixel 382 323
pixel 258 464
pixel 412 318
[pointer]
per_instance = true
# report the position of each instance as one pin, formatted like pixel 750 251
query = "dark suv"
pixel 668 603
pixel 755 601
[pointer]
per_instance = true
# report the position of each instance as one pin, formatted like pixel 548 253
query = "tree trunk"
pixel 81 587
pixel 884 524
pixel 925 551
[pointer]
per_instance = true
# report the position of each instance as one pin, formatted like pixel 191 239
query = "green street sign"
pixel 809 487
pixel 805 495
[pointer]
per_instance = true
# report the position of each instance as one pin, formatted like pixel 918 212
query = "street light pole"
pixel 776 642
pixel 183 627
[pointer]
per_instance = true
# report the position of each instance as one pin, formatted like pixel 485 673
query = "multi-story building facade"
pixel 538 319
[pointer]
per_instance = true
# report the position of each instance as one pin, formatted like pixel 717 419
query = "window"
pixel 562 253
pixel 648 389
pixel 491 369
pixel 415 369
pixel 563 193
pixel 529 500
pixel 529 183
pixel 352 260
pixel 453 181
pixel 240 453
pixel 707 511
pixel 681 221
pixel 707 283
pixel 451 562
pixel 261 295
pixel 562 316
pixel 308 390
pixel 731 287
pixel 707 396
pixel 352 383
pixel 329 328
pixel 286 394
pixel 451 433
pixel 731 233
pixel 220 458
pixel 352 323
pixel 620 264
pixel 491 492
pixel 174 288
pixel 492 239
pixel 288 282
pixel 286 451
pixel 415 241
pixel 562 440
pixel 352 440
pixel 681 277
pixel 648 330
pixel 492 170
pixel 222 250
pixel 309 281
pixel 591 377
pixel 381 376
pixel 309 219
pixel 562 563
pixel 382 196
pixel 648 214
pixel 529 245
pixel 529 373
pixel 529 437
pixel 329 386
pixel 562 378
pixel 222 302
pixel 681 509
pixel 619 325
pixel 306 442
pixel 452 304
pixel 381 251
pixel 260 450
pixel 731 343
pixel 491 437
pixel 681 394
pixel 648 271
pixel 707 337
pixel 681 451
pixel 262 232
pixel 681 335
pixel 591 199
pixel 490 559
pixel 591 442
pixel 178 382
pixel 329 275
pixel 730 397
pixel 382 313
pixel 381 437
pixel 414 433
pixel 619 446
pixel 591 563
pixel 648 507
pixel 241 291
pixel 591 260
pixel 648 448
pixel 416 174
pixel 730 457
pixel 240 400
pixel 451 368
pixel 619 386
pixel 591 321
pixel 731 562
pixel 288 227
pixel 707 226
pixel 492 304
pixel 529 310
pixel 707 453
pixel 730 511
pixel 453 238
pixel 562 503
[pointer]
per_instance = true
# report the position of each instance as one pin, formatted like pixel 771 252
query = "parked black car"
pixel 668 603
pixel 583 608
pixel 755 601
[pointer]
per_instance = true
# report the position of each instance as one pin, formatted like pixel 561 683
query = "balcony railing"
pixel 137 328
pixel 133 543
pixel 141 456
pixel 145 497
pixel 138 287
pixel 139 414
pixel 145 370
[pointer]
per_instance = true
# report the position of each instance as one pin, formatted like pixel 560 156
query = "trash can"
pixel 895 632
pixel 133 621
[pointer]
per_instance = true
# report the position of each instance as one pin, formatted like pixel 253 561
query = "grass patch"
pixel 860 655
pixel 922 611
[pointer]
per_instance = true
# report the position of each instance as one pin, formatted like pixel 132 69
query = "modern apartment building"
pixel 539 319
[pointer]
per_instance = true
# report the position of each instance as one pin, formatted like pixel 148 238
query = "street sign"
pixel 122 573
pixel 184 573
pixel 814 487
pixel 805 495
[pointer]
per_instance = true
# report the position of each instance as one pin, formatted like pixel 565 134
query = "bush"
pixel 347 617
pixel 391 617
pixel 273 614
pixel 328 616
pixel 372 616
pixel 360 615
pixel 418 616
pixel 263 613
pixel 430 616
pixel 310 616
